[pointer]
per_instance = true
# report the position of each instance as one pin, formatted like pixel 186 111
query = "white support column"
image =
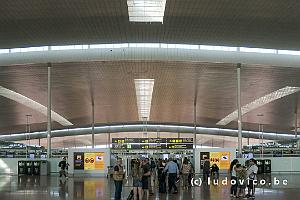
pixel 93 125
pixel 49 113
pixel 108 140
pixel 262 140
pixel 195 129
pixel 240 142
pixel 296 125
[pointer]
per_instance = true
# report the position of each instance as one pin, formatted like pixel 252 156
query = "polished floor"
pixel 53 187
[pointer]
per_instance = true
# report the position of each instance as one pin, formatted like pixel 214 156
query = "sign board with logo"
pixel 221 159
pixel 94 161
pixel 89 161
pixel 78 160
pixel 224 160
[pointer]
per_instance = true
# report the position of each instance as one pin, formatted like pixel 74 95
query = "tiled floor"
pixel 52 187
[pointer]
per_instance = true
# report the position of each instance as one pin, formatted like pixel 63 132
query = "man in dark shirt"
pixel 63 166
pixel 118 177
pixel 206 170
pixel 146 176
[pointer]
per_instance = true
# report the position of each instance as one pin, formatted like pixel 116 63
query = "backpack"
pixel 186 168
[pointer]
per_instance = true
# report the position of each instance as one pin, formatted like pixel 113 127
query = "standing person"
pixel 232 171
pixel 118 177
pixel 173 173
pixel 161 176
pixel 214 171
pixel 206 170
pixel 191 174
pixel 251 175
pixel 152 176
pixel 242 180
pixel 146 176
pixel 137 174
pixel 186 169
pixel 177 178
pixel 63 166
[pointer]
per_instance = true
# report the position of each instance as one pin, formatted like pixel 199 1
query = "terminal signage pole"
pixel 49 113
pixel 239 110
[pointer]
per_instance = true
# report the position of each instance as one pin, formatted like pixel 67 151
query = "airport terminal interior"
pixel 149 99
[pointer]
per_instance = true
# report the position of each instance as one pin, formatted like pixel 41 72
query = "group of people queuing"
pixel 145 172
pixel 244 176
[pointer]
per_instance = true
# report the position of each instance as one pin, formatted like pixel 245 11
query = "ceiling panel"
pixel 268 23
pixel 111 86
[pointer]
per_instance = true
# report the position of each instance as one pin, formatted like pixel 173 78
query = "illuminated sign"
pixel 221 159
pixel 152 143
pixel 179 146
pixel 78 160
pixel 94 161
pixel 89 161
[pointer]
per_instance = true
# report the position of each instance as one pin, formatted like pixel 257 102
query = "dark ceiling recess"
pixel 255 23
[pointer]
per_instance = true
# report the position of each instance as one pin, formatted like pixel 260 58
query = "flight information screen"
pixel 152 143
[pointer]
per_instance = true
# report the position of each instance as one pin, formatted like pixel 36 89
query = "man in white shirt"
pixel 251 175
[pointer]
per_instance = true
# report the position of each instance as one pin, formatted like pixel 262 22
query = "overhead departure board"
pixel 152 143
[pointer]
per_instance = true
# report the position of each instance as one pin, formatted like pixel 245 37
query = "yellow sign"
pixel 224 160
pixel 94 161
pixel 214 158
pixel 221 159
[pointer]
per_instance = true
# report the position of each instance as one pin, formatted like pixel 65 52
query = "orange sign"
pixel 224 160
pixel 221 159
pixel 214 158
pixel 94 161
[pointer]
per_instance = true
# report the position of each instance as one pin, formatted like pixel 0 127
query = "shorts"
pixel 137 183
pixel 145 184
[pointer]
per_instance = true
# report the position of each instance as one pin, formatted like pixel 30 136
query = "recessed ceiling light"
pixel 144 90
pixel 33 105
pixel 146 10
pixel 259 102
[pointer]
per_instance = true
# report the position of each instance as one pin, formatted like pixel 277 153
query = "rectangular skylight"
pixel 69 47
pixel 28 49
pixel 32 104
pixel 259 102
pixel 288 52
pixel 4 51
pixel 144 45
pixel 146 10
pixel 108 46
pixel 179 46
pixel 217 48
pixel 257 50
pixel 144 90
